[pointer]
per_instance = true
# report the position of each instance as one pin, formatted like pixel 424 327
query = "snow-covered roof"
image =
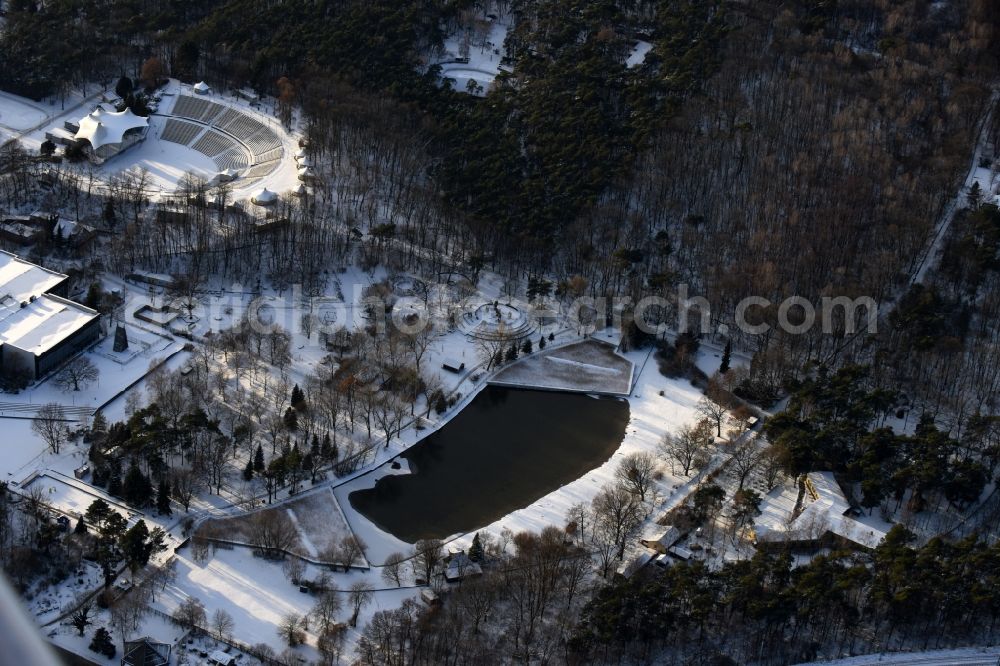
pixel 460 566
pixel 201 87
pixel 264 197
pixel 663 535
pixel 636 562
pixel 21 280
pixel 146 652
pixel 826 510
pixel 102 128
pixel 44 323
pixel 220 657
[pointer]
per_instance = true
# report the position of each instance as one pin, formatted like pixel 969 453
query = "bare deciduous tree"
pixel 290 630
pixel 222 624
pixel 272 532
pixel 477 599
pixel 190 614
pixel 426 557
pixel 184 484
pixel 392 570
pixel 49 424
pixel 128 612
pixel 746 458
pixel 635 472
pixel 687 445
pixel 359 597
pixel 617 514
pixel 346 553
pixel 772 467
pixel 326 609
pixel 80 372
pixel 713 408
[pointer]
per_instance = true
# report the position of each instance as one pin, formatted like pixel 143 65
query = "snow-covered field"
pixel 588 366
pixel 317 519
pixel 18 114
pixel 258 595
pixel 73 497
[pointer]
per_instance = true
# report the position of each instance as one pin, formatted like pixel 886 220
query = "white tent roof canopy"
pixel 102 128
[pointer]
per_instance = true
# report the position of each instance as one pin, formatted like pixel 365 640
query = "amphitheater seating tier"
pixel 213 143
pixel 261 170
pixel 180 131
pixel 234 158
pixel 194 108
pixel 263 144
pixel 269 156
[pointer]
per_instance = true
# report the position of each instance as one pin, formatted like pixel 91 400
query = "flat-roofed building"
pixel 39 328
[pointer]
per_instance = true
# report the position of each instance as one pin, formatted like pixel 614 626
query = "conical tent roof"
pixel 264 197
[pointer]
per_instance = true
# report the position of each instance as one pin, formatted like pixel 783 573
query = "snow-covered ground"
pixel 47 603
pixel 472 56
pixel 638 54
pixel 256 592
pixel 589 366
pixel 18 114
pixel 65 636
pixel 23 452
pixel 258 595
pixel 316 517
pixel 989 183
pixel 72 496
pixel 986 656
pixel 165 162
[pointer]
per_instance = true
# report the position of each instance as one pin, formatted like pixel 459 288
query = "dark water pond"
pixel 505 450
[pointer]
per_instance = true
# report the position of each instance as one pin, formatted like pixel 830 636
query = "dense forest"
pixel 804 149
